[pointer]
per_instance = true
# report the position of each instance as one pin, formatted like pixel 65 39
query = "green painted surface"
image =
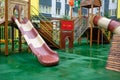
pixel 79 63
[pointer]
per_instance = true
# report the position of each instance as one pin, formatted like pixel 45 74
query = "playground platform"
pixel 79 63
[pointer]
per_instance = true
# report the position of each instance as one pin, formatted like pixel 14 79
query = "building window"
pixel 113 1
pixel 57 0
pixel 58 11
pixel 66 1
pixel 112 12
pixel 49 10
pixel 66 12
pixel 45 9
pixel 41 8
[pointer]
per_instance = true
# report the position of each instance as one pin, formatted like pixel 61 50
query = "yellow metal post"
pixel 35 7
pixel 118 10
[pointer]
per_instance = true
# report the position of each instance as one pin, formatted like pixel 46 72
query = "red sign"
pixel 67 25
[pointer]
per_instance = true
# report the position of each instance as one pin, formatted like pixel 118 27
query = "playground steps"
pixel 113 62
pixel 80 26
pixel 103 37
pixel 77 25
pixel 46 31
pixel 48 39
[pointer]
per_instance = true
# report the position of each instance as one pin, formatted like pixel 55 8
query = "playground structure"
pixel 95 28
pixel 45 30
pixel 84 24
pixel 113 62
pixel 44 54
pixel 48 29
pixel 102 22
pixel 88 4
pixel 66 32
pixel 21 9
pixel 52 32
pixel 8 10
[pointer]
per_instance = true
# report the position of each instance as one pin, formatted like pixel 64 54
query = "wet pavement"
pixel 80 63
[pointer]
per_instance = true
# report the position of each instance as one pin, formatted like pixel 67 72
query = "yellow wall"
pixel 35 4
pixel 118 11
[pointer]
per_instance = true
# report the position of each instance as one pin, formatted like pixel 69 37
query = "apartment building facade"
pixel 109 8
pixel 60 8
pixel 56 8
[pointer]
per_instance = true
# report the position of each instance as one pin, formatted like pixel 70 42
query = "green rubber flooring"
pixel 79 63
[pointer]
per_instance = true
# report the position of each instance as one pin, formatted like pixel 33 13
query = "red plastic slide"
pixel 45 55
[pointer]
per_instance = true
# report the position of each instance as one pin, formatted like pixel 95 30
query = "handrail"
pixel 49 40
pixel 44 28
pixel 81 29
pixel 78 23
pixel 47 31
pixel 41 18
pixel 40 13
pixel 49 26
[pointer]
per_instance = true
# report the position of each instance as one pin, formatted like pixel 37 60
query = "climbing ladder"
pixel 81 25
pixel 113 62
